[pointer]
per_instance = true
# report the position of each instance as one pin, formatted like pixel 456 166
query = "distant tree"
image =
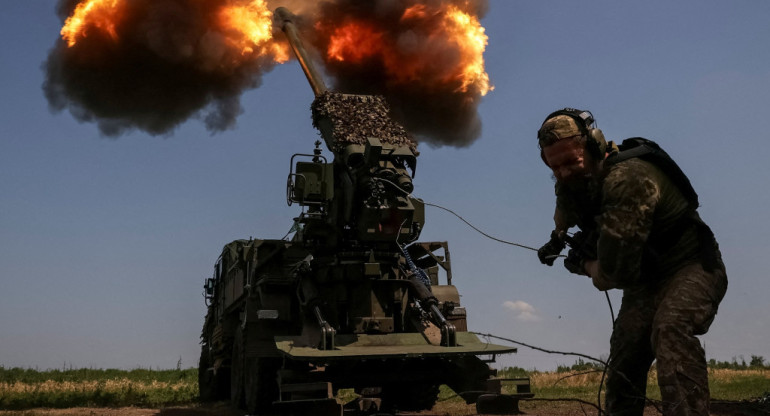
pixel 579 365
pixel 509 372
pixel 757 361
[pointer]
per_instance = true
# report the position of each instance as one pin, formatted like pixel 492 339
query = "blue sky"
pixel 105 243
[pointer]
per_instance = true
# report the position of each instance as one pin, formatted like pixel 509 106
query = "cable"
pixel 577 354
pixel 604 372
pixel 606 293
pixel 407 194
pixel 477 230
pixel 612 313
pixel 605 363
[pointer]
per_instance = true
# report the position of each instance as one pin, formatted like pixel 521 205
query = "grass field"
pixel 725 384
pixel 26 388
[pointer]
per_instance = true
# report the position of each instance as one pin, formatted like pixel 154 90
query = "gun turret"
pixel 348 302
pixel 374 162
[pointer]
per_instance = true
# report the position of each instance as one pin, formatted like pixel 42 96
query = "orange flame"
pixel 202 52
pixel 99 13
pixel 249 28
pixel 418 11
pixel 467 32
pixel 445 28
pixel 245 24
pixel 355 42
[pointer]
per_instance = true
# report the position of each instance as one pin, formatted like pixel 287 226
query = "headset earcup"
pixel 597 143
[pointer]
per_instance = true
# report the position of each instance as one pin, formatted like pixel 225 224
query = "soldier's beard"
pixel 586 184
pixel 586 179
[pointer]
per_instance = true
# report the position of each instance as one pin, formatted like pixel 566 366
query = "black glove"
pixel 585 243
pixel 582 248
pixel 551 250
pixel 575 262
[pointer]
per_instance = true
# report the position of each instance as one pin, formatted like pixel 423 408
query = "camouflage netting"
pixel 356 117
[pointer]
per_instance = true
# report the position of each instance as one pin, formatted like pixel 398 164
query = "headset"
pixel 595 142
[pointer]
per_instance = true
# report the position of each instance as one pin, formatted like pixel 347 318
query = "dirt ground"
pixel 531 408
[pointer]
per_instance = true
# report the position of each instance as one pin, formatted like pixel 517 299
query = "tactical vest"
pixel 660 243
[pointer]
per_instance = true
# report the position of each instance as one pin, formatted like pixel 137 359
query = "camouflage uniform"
pixel 668 297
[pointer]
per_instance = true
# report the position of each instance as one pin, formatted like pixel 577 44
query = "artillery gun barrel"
pixel 284 17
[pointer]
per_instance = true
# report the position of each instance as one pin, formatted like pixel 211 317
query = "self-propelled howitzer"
pixel 352 300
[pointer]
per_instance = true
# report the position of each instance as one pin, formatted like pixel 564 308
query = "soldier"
pixel 639 232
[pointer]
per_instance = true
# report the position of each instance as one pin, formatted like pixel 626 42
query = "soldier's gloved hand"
pixel 575 262
pixel 551 250
pixel 585 242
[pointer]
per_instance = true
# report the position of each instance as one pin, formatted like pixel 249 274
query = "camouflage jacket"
pixel 633 206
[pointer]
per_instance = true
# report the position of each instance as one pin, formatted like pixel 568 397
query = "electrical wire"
pixel 606 293
pixel 576 354
pixel 607 365
pixel 407 194
pixel 476 229
pixel 604 372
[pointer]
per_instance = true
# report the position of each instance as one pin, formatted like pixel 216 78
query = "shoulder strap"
pixel 648 150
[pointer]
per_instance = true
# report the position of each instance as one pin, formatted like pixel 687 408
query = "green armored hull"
pixel 286 327
pixel 387 346
pixel 351 300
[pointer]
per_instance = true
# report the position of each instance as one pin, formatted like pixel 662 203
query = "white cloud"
pixel 523 310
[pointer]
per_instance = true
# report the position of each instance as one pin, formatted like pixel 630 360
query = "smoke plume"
pixel 423 56
pixel 152 64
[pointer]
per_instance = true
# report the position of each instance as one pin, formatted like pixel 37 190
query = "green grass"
pixel 724 383
pixel 86 374
pixel 27 388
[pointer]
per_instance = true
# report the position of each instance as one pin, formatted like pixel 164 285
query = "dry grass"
pixel 55 390
pixel 727 375
pixel 108 386
pixel 24 389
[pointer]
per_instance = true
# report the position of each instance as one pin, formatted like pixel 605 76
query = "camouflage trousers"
pixel 661 323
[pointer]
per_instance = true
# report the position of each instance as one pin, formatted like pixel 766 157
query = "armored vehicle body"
pixel 352 300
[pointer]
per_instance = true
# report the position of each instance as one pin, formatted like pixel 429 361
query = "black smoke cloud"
pixel 436 112
pixel 166 66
